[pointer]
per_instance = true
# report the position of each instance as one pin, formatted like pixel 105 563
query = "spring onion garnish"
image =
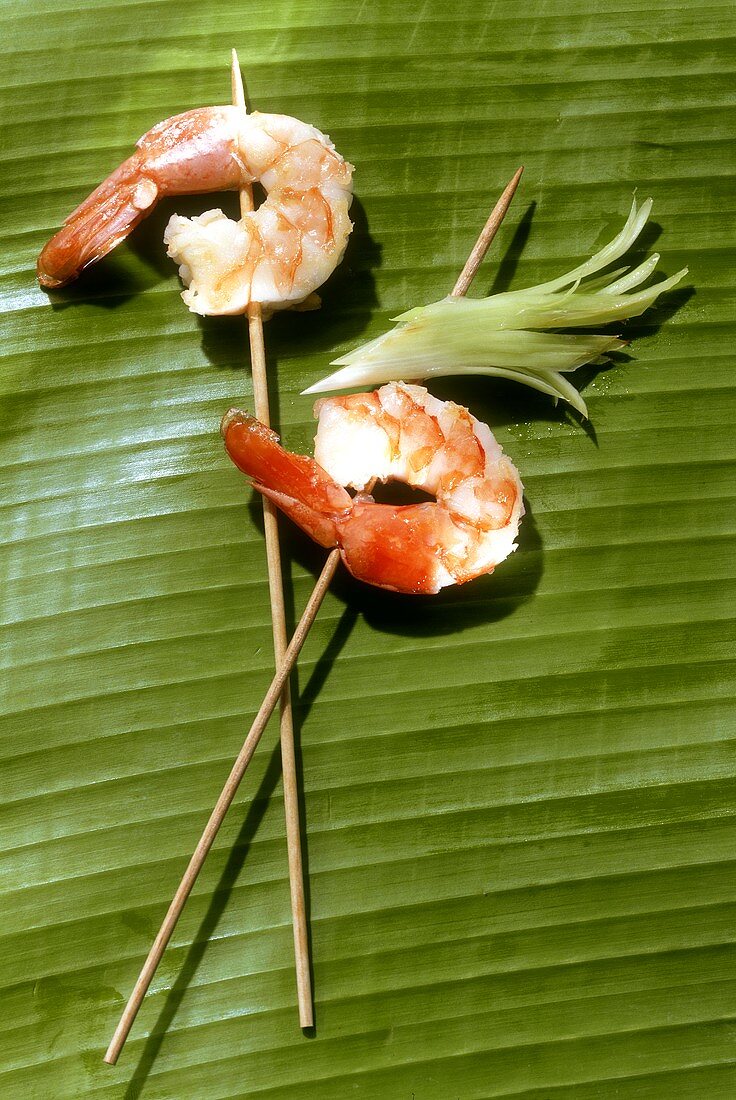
pixel 516 334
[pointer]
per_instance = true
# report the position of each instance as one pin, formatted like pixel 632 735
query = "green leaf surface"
pixel 519 796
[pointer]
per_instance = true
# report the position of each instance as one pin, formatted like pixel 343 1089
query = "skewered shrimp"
pixel 400 433
pixel 277 255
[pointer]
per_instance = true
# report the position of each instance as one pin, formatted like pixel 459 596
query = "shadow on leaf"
pixel 506 269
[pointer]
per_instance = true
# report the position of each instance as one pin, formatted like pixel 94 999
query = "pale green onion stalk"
pixel 508 334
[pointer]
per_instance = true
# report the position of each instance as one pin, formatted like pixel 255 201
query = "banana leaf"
pixel 518 797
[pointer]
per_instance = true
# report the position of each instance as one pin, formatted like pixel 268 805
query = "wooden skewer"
pixel 268 705
pixel 488 232
pixel 216 817
pixel 278 621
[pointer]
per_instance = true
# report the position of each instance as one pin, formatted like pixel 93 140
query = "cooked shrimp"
pixel 399 433
pixel 277 255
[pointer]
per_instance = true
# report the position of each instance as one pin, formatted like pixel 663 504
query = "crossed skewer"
pixel 285 659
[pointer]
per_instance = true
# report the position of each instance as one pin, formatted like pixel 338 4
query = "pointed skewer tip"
pixel 514 181
pixel 236 80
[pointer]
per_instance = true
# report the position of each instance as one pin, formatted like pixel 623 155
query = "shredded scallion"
pixel 519 334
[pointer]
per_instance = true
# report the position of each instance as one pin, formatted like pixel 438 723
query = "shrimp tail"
pixel 295 483
pixel 319 527
pixel 98 225
pixel 191 153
